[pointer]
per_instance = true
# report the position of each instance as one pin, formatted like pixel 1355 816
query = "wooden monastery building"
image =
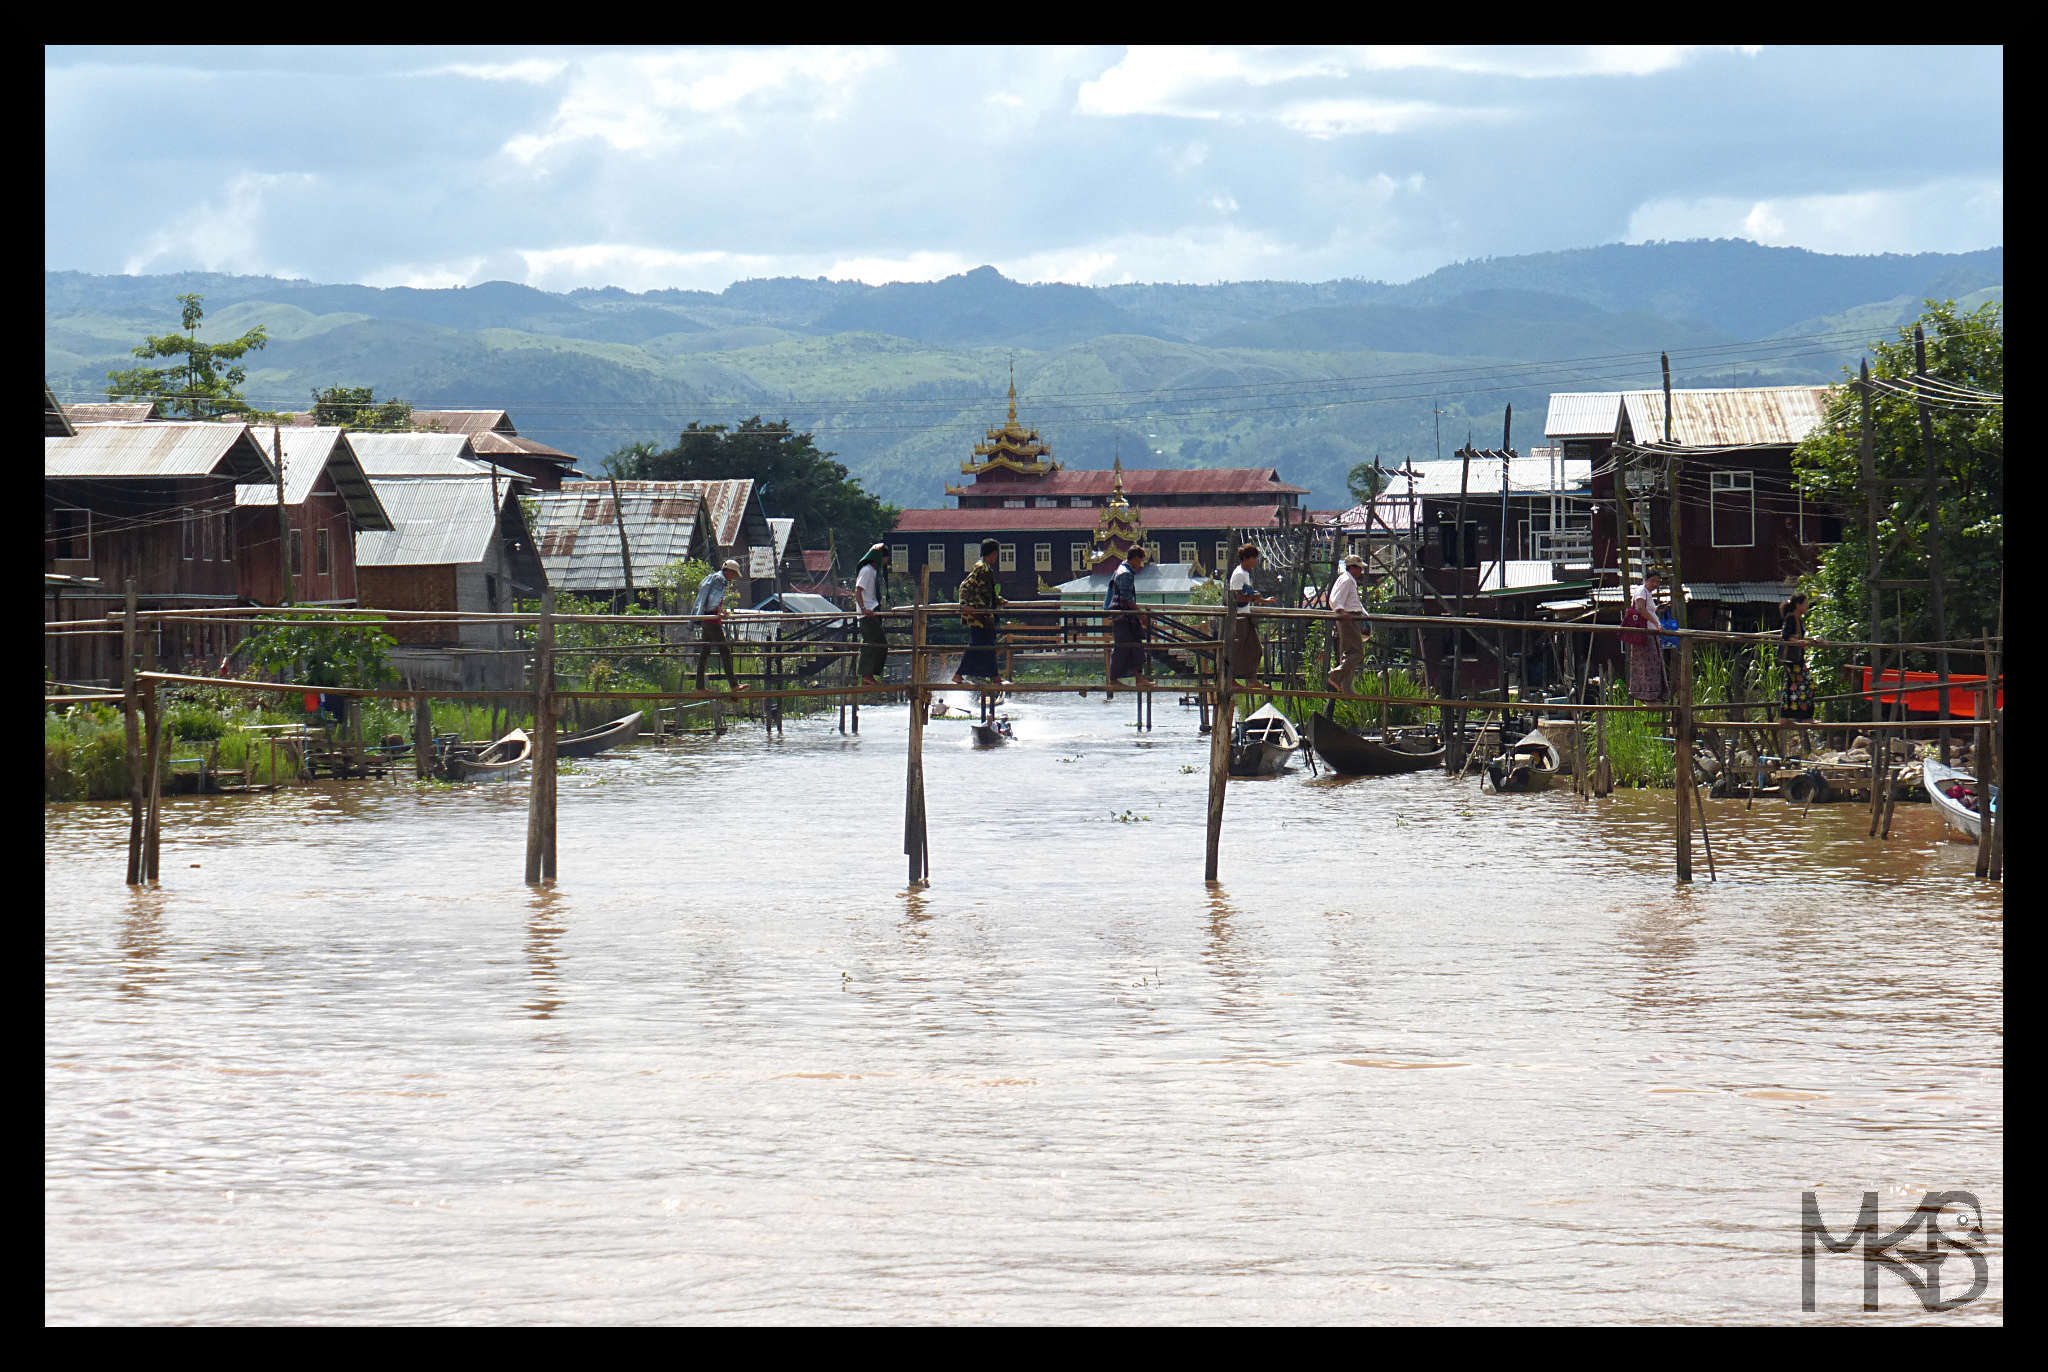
pixel 1055 524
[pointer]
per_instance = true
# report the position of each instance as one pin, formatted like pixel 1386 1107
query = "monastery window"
pixel 298 546
pixel 1013 504
pixel 1041 557
pixel 1077 559
pixel 1079 502
pixel 899 557
pixel 71 530
pixel 323 553
pixel 935 556
pixel 1222 562
pixel 227 536
pixel 1046 502
pixel 1733 510
pixel 1189 553
pixel 1007 559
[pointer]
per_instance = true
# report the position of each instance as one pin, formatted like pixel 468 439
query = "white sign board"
pixel 761 564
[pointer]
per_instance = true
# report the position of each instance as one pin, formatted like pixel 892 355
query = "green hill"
pixel 900 380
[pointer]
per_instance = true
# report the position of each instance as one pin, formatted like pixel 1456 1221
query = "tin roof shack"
pixel 453 545
pixel 328 501
pixel 392 456
pixel 154 502
pixel 577 531
pixel 493 438
pixel 114 412
pixel 1745 526
pixel 738 529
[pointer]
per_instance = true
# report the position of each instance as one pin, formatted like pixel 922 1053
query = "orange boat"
pixel 1922 695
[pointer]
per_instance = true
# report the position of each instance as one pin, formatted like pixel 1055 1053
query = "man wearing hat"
pixel 867 599
pixel 711 613
pixel 1351 630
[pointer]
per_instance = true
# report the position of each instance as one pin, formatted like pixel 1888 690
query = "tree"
pixel 337 651
pixel 1969 443
pixel 357 407
pixel 204 385
pixel 792 477
pixel 1367 480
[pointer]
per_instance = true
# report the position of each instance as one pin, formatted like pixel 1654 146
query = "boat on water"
pixel 1954 794
pixel 495 763
pixel 1262 743
pixel 1532 764
pixel 1355 755
pixel 948 712
pixel 591 742
pixel 994 735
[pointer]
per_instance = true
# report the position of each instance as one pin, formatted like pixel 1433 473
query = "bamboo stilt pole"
pixel 540 806
pixel 914 832
pixel 129 724
pixel 152 824
pixel 1219 739
pixel 423 738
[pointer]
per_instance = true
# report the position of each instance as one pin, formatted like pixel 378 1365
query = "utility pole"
pixel 1936 595
pixel 1507 430
pixel 625 549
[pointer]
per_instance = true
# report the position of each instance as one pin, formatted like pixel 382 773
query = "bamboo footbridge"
pixel 1194 637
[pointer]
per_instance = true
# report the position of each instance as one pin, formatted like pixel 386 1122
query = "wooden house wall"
pixel 259 555
pixel 411 588
pixel 138 531
pixel 1777 548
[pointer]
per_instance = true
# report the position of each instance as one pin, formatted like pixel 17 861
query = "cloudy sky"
pixel 651 168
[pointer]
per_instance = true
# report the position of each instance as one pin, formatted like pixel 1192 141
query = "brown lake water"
pixel 1423 1054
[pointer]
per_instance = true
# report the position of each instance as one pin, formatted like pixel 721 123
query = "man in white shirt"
pixel 1351 630
pixel 867 599
pixel 1244 649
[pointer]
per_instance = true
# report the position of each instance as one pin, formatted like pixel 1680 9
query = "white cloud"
pixel 536 71
pixel 426 276
pixel 1542 61
pixel 224 234
pixel 1331 118
pixel 650 102
pixel 640 268
pixel 880 271
pixel 1946 215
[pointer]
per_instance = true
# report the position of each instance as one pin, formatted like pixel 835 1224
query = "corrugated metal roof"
pixel 1526 476
pixel 800 603
pixel 781 529
pixel 1156 578
pixel 1583 414
pixel 486 444
pixel 1718 592
pixel 113 412
pixel 433 522
pixel 1771 415
pixel 818 561
pixel 725 501
pixel 471 422
pixel 307 453
pixel 1083 520
pixel 56 424
pixel 1522 573
pixel 1140 482
pixel 577 531
pixel 173 448
pixel 385 455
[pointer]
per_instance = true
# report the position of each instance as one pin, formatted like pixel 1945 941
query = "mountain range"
pixel 900 379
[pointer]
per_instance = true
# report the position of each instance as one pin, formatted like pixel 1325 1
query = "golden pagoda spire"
pixel 1013 390
pixel 1012 447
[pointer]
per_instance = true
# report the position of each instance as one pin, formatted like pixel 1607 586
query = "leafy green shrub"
pixel 193 720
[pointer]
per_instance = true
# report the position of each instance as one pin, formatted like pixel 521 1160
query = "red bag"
pixel 1632 618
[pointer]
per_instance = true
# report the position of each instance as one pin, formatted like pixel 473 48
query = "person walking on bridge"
pixel 1244 651
pixel 1127 626
pixel 979 597
pixel 711 622
pixel 867 599
pixel 1351 627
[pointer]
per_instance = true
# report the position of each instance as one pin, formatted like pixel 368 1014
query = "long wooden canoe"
pixel 1354 755
pixel 1264 740
pixel 591 742
pixel 497 762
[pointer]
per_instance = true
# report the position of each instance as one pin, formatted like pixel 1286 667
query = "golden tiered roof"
pixel 1119 528
pixel 1012 447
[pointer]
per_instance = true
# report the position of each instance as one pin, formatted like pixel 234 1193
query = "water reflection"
pixel 543 951
pixel 142 942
